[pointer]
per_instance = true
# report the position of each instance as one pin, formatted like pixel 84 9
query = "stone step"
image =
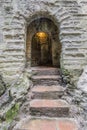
pixel 46 80
pixel 51 108
pixel 44 77
pixel 45 71
pixel 47 124
pixel 47 92
pixel 44 68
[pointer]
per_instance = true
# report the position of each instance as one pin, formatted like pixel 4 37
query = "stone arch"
pixel 44 24
pixel 43 14
pixel 21 19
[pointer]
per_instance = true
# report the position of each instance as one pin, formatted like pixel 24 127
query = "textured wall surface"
pixel 15 15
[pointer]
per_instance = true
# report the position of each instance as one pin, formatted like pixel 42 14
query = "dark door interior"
pixel 41 50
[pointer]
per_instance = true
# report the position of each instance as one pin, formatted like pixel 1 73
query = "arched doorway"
pixel 43 45
pixel 41 50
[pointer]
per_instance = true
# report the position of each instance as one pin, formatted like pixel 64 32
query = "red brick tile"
pixel 31 125
pixel 66 125
pixel 48 125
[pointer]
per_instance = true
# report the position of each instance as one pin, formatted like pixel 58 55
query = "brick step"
pixel 51 108
pixel 45 71
pixel 48 124
pixel 47 92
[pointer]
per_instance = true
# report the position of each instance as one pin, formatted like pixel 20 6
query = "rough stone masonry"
pixel 69 16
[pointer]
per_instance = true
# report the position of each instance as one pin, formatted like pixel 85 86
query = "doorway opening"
pixel 43 46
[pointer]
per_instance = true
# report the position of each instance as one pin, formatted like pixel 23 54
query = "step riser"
pixel 46 82
pixel 47 95
pixel 52 112
pixel 46 72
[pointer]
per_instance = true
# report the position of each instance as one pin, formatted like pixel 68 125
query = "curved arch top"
pixel 38 15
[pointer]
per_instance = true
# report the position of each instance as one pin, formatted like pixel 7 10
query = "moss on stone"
pixel 12 112
pixel 4 128
pixel 65 72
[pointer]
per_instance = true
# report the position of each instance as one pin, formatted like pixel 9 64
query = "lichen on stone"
pixel 2 86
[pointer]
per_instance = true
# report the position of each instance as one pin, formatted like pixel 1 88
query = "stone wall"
pixel 70 17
